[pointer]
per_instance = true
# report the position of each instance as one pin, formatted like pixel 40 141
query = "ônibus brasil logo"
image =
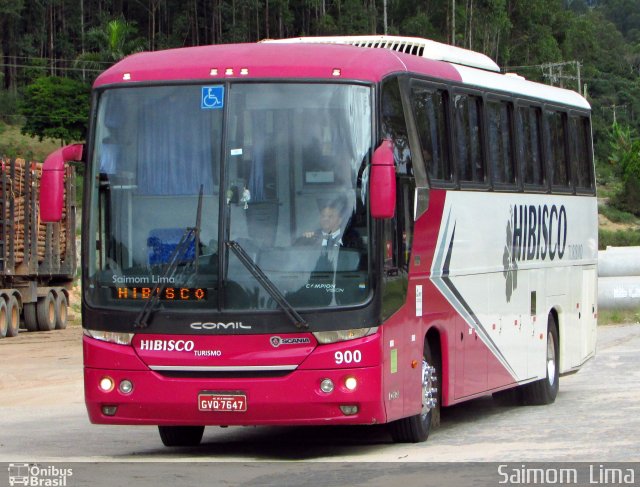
pixel 38 475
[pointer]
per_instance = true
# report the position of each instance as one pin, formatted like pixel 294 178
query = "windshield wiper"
pixel 266 283
pixel 191 235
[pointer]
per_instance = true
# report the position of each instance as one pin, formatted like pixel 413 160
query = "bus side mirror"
pixel 382 183
pixel 52 182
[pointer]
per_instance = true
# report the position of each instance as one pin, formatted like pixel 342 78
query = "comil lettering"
pixel 167 345
pixel 232 325
pixel 539 232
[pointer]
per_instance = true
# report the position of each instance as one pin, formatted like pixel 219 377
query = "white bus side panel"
pixel 505 261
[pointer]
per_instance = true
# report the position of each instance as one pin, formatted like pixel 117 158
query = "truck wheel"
pixel 181 435
pixel 46 310
pixel 13 317
pixel 416 428
pixel 30 317
pixel 61 311
pixel 4 318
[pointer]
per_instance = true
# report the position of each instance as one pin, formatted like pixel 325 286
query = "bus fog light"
pixel 126 386
pixel 109 410
pixel 349 410
pixel 326 386
pixel 106 384
pixel 351 383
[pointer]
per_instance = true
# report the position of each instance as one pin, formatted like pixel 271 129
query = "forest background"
pixel 592 46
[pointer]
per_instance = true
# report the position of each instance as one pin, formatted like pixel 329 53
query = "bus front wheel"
pixel 415 429
pixel 181 435
pixel 544 391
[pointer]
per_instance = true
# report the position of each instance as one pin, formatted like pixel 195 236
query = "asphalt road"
pixel 596 418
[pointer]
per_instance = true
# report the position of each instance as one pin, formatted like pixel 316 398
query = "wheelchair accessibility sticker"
pixel 212 97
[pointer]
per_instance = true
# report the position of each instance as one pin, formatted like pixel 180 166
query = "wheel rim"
pixel 52 312
pixel 551 359
pixel 428 391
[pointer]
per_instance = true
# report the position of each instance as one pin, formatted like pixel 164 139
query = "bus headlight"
pixel 110 336
pixel 325 337
pixel 326 386
pixel 106 384
pixel 126 386
pixel 351 383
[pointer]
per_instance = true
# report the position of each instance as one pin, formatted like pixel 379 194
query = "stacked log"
pixel 15 198
pixel 19 193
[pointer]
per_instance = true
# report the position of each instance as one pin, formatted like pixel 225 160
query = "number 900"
pixel 348 357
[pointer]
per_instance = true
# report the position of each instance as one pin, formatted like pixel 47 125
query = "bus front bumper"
pixel 295 399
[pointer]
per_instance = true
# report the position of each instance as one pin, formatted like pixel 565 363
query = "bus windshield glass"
pixel 184 174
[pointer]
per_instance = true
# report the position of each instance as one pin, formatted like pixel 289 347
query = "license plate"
pixel 222 402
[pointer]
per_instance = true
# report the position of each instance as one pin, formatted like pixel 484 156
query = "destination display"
pixel 166 294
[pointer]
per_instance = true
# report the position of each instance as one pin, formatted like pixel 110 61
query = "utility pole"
pixel 385 17
pixel 614 108
pixel 453 22
pixel 82 35
pixel 554 73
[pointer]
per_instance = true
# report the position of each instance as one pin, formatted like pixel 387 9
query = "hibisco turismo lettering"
pixel 167 345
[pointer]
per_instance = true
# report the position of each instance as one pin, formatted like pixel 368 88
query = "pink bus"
pixel 351 230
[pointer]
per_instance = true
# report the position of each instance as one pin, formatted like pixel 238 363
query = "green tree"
pixel 57 108
pixel 625 156
pixel 10 12
pixel 111 42
pixel 532 37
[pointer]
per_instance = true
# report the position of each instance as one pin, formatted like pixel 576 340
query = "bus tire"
pixel 4 318
pixel 13 317
pixel 61 311
pixel 544 391
pixel 30 317
pixel 181 435
pixel 415 429
pixel 46 311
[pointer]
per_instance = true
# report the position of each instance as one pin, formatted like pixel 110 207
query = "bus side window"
pixel 468 139
pixel 429 107
pixel 394 126
pixel 580 154
pixel 397 242
pixel 529 148
pixel 500 150
pixel 556 149
pixel 397 231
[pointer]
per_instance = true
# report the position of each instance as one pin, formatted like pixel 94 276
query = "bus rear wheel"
pixel 544 391
pixel 415 429
pixel 181 435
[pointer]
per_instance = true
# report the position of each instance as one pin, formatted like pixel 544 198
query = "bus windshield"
pixel 184 174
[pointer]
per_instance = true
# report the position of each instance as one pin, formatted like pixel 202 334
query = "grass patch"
pixel 618 238
pixel 618 316
pixel 14 144
pixel 617 216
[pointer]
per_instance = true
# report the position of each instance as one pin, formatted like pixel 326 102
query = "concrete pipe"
pixel 619 261
pixel 619 292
